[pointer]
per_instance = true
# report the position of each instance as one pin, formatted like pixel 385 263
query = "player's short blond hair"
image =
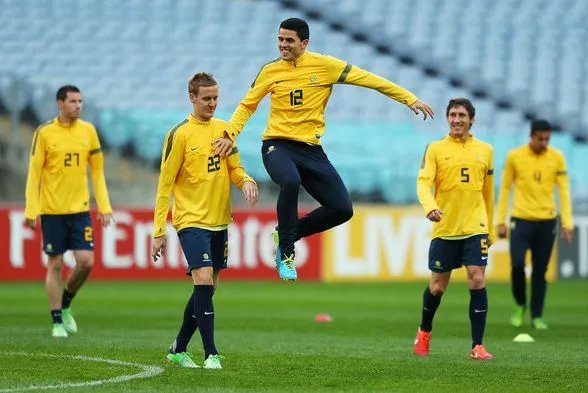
pixel 201 79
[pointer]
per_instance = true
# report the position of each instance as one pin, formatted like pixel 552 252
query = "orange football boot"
pixel 421 343
pixel 480 353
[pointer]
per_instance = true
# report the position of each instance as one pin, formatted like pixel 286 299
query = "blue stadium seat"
pixel 133 62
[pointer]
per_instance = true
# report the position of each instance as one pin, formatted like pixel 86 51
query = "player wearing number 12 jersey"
pixel 299 83
pixel 460 169
pixel 57 191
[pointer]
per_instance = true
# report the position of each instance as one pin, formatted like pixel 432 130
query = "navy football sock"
pixel 478 313
pixel 66 298
pixel 56 316
pixel 187 329
pixel 204 312
pixel 430 305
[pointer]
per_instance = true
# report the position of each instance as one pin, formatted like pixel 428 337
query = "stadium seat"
pixel 132 63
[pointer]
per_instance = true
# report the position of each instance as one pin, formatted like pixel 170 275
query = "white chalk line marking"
pixel 148 372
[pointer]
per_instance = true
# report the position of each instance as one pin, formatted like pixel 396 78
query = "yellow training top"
pixel 299 93
pixel 57 181
pixel 462 177
pixel 535 177
pixel 198 179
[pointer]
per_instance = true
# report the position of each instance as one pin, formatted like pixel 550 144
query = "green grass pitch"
pixel 271 343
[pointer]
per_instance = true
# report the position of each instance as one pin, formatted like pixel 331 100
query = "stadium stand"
pixel 132 62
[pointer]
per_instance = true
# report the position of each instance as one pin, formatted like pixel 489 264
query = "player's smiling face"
pixel 459 121
pixel 290 45
pixel 205 102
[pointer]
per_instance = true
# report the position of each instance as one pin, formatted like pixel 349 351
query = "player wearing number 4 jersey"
pixel 460 169
pixel 300 83
pixel 534 169
pixel 57 191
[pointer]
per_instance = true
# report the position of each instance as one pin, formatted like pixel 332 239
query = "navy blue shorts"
pixel 203 247
pixel 62 232
pixel 446 255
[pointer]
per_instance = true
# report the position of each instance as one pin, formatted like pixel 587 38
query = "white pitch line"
pixel 148 372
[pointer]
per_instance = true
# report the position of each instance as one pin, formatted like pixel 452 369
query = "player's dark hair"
pixel 201 79
pixel 298 25
pixel 540 125
pixel 461 101
pixel 63 90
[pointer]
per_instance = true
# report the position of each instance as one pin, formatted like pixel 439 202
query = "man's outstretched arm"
pixel 347 73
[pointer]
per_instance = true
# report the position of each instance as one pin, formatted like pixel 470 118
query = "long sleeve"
pixel 563 188
pixel 425 181
pixel 488 193
pixel 341 72
pixel 237 173
pixel 36 162
pixel 507 178
pixel 248 105
pixel 172 158
pixel 96 161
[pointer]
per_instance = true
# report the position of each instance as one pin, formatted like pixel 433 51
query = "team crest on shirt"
pixel 314 79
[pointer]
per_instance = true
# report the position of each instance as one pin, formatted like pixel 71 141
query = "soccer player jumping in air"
pixel 300 83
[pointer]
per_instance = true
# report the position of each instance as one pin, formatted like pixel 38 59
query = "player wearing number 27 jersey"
pixel 57 192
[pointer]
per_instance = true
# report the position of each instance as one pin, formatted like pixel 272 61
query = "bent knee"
pixel 344 213
pixel 437 289
pixel 203 275
pixel 347 213
pixel 86 263
pixel 55 263
pixel 476 279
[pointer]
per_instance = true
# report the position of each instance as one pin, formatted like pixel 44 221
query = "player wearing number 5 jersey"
pixel 57 191
pixel 299 83
pixel 460 169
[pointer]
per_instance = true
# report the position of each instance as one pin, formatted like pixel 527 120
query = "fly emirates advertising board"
pixel 378 244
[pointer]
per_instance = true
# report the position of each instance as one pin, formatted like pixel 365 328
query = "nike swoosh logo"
pixel 208 313
pixel 484 258
pixel 479 310
pixel 194 148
